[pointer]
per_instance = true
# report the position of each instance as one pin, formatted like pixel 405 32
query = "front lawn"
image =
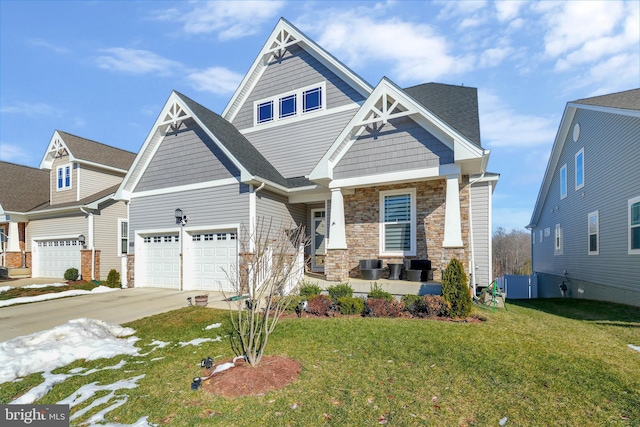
pixel 545 362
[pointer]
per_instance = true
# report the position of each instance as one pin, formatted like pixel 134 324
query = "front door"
pixel 319 233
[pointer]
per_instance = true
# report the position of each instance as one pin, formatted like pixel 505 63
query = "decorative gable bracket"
pixel 173 117
pixel 281 41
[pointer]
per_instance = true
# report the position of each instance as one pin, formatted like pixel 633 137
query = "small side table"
pixel 394 271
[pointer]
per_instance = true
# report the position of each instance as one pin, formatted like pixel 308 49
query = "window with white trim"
pixel 286 105
pixel 398 222
pixel 580 169
pixel 558 241
pixel 563 181
pixel 64 177
pixel 634 226
pixel 593 224
pixel 123 237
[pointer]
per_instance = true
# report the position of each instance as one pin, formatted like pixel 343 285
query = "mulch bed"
pixel 272 373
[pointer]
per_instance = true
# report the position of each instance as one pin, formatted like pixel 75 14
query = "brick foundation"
pixel 85 264
pixel 13 259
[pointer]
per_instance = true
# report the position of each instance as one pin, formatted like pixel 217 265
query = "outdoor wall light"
pixel 81 239
pixel 180 217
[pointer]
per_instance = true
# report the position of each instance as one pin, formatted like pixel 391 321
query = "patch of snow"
pixel 142 422
pixel 634 347
pixel 199 341
pixel 87 391
pixel 43 285
pixel 88 339
pixel 214 326
pixel 56 295
pixel 5 288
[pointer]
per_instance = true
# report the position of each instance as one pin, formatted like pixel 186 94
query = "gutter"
pixel 93 248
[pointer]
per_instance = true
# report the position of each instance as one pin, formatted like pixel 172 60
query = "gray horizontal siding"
pixel 276 208
pixel 480 209
pixel 296 69
pixel 294 149
pixel 399 145
pixel 612 177
pixel 204 207
pixel 184 157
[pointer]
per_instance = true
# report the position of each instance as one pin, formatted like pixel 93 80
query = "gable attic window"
pixel 286 105
pixel 580 169
pixel 398 222
pixel 64 177
pixel 265 112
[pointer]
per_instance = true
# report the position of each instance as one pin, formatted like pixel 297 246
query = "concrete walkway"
pixel 119 307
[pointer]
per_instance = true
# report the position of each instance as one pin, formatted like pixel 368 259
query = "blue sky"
pixel 104 69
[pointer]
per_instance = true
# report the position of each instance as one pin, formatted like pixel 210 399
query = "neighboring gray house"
pixel 69 196
pixel 373 172
pixel 585 228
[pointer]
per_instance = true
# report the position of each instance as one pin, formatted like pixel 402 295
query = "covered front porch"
pixel 397 288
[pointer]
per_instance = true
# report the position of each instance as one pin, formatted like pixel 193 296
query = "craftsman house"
pixel 585 227
pixel 63 215
pixel 372 172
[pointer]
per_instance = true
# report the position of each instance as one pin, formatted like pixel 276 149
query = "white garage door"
pixel 209 258
pixel 53 257
pixel 160 261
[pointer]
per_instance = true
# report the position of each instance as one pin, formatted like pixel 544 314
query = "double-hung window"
pixel 580 169
pixel 64 177
pixel 594 233
pixel 398 222
pixel 634 226
pixel 563 181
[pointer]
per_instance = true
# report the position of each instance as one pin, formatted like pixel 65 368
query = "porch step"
pixel 19 273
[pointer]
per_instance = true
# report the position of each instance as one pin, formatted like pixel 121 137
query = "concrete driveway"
pixel 119 307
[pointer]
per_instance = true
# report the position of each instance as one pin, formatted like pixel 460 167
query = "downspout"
pixel 93 248
pixel 473 249
pixel 253 216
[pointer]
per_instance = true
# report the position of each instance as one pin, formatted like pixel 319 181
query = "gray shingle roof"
pixel 456 105
pixel 22 187
pixel 96 152
pixel 629 100
pixel 236 143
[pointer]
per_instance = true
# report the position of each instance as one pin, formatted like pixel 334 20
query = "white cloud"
pixel 230 19
pixel 503 127
pixel 415 52
pixel 48 45
pixel 508 10
pixel 30 110
pixel 12 153
pixel 217 80
pixel 136 61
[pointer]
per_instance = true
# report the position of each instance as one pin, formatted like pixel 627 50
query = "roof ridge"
pixel 94 141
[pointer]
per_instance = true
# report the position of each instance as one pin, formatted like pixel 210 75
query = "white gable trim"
pixel 386 102
pixel 184 188
pixel 56 145
pixel 175 110
pixel 397 177
pixel 602 109
pixel 283 36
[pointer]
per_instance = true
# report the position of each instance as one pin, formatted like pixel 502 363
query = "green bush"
pixel 376 292
pixel 341 290
pixel 455 290
pixel 350 305
pixel 113 279
pixel 71 274
pixel 412 303
pixel 308 289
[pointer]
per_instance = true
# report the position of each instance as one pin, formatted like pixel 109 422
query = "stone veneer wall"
pixel 131 264
pixel 13 259
pixel 362 229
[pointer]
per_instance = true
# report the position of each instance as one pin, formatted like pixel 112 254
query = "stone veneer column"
pixel 131 269
pixel 336 265
pixel 86 264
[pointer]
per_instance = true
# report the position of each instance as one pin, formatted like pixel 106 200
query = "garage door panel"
pixel 54 257
pixel 160 261
pixel 211 254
